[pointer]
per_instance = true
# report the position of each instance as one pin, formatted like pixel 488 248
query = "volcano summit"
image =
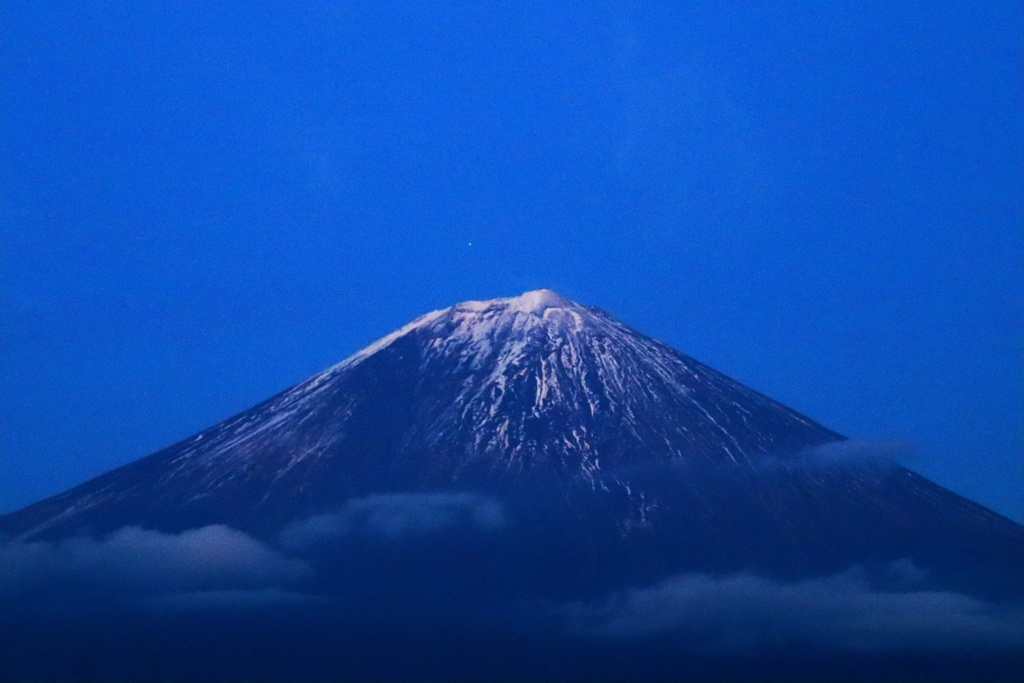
pixel 572 484
pixel 534 387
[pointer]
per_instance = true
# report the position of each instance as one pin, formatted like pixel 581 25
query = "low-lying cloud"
pixel 399 516
pixel 745 612
pixel 857 450
pixel 142 563
pixel 218 567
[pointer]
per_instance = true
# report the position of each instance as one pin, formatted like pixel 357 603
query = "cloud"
pixel 399 516
pixel 218 567
pixel 857 450
pixel 745 612
pixel 857 453
pixel 134 562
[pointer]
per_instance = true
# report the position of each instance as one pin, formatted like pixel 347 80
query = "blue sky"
pixel 203 203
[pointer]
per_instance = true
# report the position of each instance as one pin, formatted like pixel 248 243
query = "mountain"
pixel 535 451
pixel 532 387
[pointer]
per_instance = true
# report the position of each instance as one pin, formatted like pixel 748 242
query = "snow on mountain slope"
pixel 534 390
pixel 480 390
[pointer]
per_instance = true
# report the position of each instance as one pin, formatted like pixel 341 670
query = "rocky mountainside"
pixel 539 393
pixel 515 489
pixel 532 387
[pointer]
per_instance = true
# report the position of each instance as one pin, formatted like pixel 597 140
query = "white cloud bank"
pixel 744 612
pixel 399 516
pixel 134 563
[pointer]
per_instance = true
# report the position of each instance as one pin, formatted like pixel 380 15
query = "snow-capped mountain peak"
pixel 533 386
pixel 535 302
pixel 479 320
